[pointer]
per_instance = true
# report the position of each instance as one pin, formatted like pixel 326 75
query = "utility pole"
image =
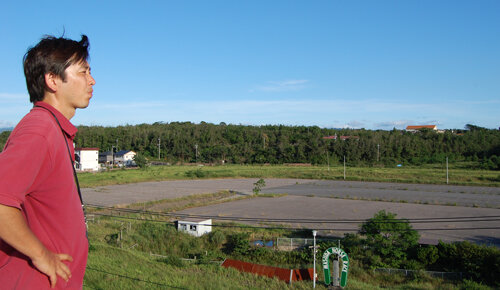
pixel 113 156
pixel 344 167
pixel 196 152
pixel 159 142
pixel 378 152
pixel 447 180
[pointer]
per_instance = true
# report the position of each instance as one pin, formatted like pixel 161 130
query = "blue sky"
pixel 359 64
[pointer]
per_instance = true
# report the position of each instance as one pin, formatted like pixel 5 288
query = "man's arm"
pixel 15 232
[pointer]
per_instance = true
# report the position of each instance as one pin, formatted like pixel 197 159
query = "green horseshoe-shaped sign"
pixel 326 265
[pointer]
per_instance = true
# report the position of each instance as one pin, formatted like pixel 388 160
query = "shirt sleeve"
pixel 24 161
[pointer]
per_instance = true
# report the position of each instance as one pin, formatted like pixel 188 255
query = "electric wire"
pixel 306 221
pixel 299 229
pixel 132 278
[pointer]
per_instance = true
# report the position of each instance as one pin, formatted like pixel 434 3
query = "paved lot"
pixel 311 208
pixel 311 199
pixel 413 193
pixel 148 191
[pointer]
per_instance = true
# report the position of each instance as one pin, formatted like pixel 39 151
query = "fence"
pixel 443 275
pixel 289 244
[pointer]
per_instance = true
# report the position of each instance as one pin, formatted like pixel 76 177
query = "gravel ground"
pixel 310 199
pixel 148 191
pixel 304 208
pixel 413 193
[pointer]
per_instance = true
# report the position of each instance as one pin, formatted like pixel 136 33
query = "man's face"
pixel 76 90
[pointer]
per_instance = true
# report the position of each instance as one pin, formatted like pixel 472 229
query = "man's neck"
pixel 66 111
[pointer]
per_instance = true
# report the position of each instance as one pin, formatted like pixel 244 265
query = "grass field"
pixel 430 174
pixel 129 264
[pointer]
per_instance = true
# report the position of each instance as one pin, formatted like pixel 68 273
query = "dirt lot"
pixel 310 199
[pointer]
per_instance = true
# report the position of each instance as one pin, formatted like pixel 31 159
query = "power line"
pixel 335 221
pixel 132 278
pixel 301 229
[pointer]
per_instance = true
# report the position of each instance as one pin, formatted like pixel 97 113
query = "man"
pixel 42 229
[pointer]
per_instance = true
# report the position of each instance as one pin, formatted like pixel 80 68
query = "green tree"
pixel 140 160
pixel 390 238
pixel 258 186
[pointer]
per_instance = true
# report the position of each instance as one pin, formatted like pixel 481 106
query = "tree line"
pixel 180 142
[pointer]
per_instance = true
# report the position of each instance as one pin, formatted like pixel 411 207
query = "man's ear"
pixel 51 81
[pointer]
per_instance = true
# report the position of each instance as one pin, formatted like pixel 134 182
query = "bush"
pixel 173 261
pixel 427 255
pixel 216 238
pixel 480 262
pixel 198 173
pixel 140 160
pixel 389 238
pixel 238 244
pixel 258 186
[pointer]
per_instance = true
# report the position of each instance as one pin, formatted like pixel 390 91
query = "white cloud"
pixel 355 124
pixel 394 124
pixel 282 86
pixel 6 124
pixel 13 98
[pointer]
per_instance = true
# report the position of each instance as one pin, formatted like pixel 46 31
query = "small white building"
pixel 125 158
pixel 195 227
pixel 87 159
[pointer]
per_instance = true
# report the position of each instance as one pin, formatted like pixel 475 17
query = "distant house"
pixel 195 227
pixel 125 158
pixel 334 137
pixel 87 159
pixel 106 158
pixel 120 158
pixel 417 128
pixel 343 138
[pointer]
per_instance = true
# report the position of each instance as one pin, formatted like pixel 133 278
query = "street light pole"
pixel 196 153
pixel 378 152
pixel 159 148
pixel 344 167
pixel 314 254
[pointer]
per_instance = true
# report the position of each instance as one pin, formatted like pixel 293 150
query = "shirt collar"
pixel 66 125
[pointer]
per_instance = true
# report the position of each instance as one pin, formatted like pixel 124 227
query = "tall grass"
pixel 430 174
pixel 128 264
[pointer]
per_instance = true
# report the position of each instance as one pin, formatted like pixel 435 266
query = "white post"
pixel 159 148
pixel 314 255
pixel 336 272
pixel 378 152
pixel 344 167
pixel 447 180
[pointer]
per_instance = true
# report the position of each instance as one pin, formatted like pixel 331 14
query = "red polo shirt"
pixel 36 177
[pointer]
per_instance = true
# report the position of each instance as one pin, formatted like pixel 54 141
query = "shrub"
pixel 389 238
pixel 216 238
pixel 238 244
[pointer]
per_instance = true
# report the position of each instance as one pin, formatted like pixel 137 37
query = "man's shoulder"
pixel 36 122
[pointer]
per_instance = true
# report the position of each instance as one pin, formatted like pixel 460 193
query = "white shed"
pixel 87 159
pixel 195 227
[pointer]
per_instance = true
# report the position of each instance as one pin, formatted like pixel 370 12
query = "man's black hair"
pixel 51 55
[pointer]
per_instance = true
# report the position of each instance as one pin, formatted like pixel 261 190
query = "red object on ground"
pixel 280 273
